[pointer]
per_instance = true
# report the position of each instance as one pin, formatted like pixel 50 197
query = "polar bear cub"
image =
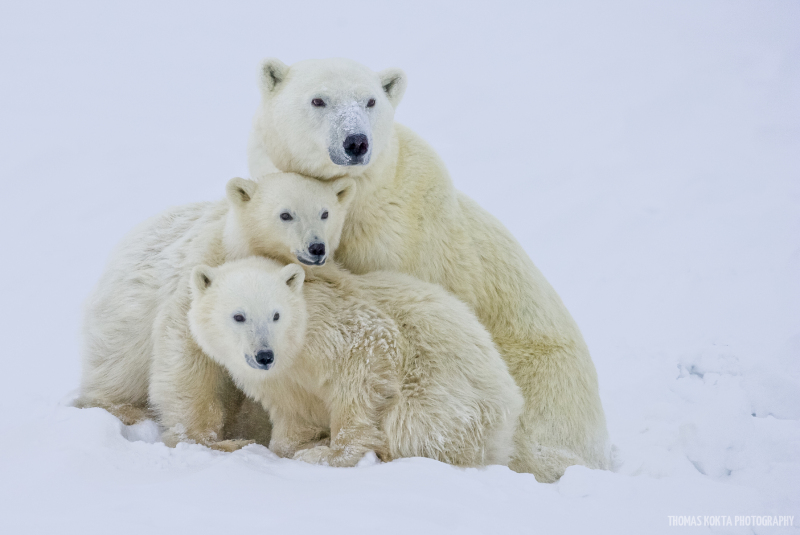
pixel 346 364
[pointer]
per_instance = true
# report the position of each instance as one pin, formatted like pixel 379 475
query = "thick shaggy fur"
pixel 434 383
pixel 385 363
pixel 408 217
pixel 135 358
pixel 139 355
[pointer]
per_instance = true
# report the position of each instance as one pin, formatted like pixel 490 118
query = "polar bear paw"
pixel 317 455
pixel 327 456
pixel 229 445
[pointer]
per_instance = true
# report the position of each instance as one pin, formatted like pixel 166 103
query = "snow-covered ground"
pixel 646 155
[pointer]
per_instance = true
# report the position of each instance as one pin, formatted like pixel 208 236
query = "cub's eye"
pixel 325 214
pixel 239 318
pixel 318 102
pixel 276 317
pixel 286 216
pixel 370 103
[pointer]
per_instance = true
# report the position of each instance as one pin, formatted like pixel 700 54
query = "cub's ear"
pixel 393 82
pixel 345 188
pixel 271 73
pixel 294 276
pixel 240 190
pixel 202 277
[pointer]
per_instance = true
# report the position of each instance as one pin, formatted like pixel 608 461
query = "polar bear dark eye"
pixel 239 318
pixel 286 216
pixel 371 103
pixel 276 317
pixel 325 215
pixel 318 102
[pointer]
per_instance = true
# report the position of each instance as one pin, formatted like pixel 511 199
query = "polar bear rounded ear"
pixel 393 82
pixel 240 190
pixel 272 72
pixel 202 276
pixel 345 188
pixel 294 276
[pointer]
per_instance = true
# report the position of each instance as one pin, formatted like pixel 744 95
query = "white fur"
pixel 408 217
pixel 317 212
pixel 442 391
pixel 308 131
pixel 136 352
pixel 377 362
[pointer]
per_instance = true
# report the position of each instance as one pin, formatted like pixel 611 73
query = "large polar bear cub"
pixel 347 364
pixel 335 118
pixel 139 356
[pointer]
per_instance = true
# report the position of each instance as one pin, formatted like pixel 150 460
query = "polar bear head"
pixel 248 314
pixel 288 216
pixel 323 118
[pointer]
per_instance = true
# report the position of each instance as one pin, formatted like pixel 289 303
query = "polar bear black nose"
pixel 356 145
pixel 265 358
pixel 317 249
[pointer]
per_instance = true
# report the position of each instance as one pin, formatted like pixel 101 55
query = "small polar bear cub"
pixel 348 364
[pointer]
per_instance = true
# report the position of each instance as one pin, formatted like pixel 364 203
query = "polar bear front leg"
pixel 354 429
pixel 187 391
pixel 347 447
pixel 362 385
pixel 291 432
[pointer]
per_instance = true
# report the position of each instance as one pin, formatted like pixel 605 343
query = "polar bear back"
pixel 143 271
pixel 452 382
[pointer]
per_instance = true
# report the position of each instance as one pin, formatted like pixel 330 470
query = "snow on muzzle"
pixel 351 136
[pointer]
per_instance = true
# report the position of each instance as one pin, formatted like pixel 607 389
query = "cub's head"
pixel 249 314
pixel 289 216
pixel 323 118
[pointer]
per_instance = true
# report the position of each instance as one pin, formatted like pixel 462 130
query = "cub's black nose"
pixel 317 249
pixel 356 145
pixel 265 358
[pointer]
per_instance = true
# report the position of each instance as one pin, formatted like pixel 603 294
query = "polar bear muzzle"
pixel 354 151
pixel 315 256
pixel 263 360
pixel 350 135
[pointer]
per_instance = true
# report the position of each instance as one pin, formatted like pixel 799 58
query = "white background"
pixel 646 155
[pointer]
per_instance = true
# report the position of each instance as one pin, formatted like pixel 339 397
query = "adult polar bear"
pixel 333 118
